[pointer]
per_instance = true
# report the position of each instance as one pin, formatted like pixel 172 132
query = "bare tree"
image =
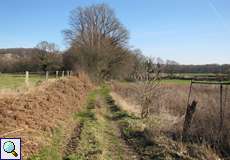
pixel 47 47
pixel 94 25
pixel 99 40
pixel 48 56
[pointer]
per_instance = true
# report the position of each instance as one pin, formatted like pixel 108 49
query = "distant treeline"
pixel 29 59
pixel 208 68
pixel 34 59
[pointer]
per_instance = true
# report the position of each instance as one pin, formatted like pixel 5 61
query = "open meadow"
pixel 16 81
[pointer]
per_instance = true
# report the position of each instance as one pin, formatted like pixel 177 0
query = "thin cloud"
pixel 218 14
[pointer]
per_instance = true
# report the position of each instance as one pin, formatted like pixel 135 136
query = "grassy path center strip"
pixel 100 138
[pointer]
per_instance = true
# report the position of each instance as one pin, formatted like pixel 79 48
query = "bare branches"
pixel 98 39
pixel 148 72
pixel 47 47
pixel 48 57
pixel 93 25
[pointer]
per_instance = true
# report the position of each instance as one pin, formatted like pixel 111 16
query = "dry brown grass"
pixel 170 105
pixel 36 113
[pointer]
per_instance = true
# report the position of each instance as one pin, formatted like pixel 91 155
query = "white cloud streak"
pixel 218 15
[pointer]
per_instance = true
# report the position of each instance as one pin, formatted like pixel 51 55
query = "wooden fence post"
pixel 56 74
pixel 63 74
pixel 188 120
pixel 27 78
pixel 221 109
pixel 67 73
pixel 47 75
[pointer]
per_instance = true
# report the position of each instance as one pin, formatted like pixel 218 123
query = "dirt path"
pixel 115 145
pixel 74 140
pixel 100 137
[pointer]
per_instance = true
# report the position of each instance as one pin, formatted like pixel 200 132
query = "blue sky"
pixel 187 31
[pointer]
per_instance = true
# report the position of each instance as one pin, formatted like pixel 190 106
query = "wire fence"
pixel 211 120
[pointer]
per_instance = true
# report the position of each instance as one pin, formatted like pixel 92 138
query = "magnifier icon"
pixel 9 147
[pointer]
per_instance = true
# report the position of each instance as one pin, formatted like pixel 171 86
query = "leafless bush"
pixel 167 98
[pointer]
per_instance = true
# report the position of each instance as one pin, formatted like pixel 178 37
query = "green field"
pixel 178 77
pixel 175 81
pixel 196 74
pixel 14 81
